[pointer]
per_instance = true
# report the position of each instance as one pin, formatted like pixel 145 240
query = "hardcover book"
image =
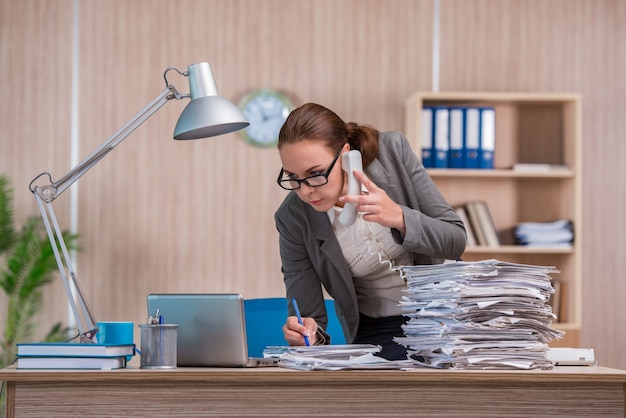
pixel 94 363
pixel 75 349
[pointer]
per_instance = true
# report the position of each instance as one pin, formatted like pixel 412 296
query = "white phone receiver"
pixel 351 161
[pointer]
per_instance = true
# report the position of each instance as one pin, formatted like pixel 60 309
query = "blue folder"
pixel 427 136
pixel 487 136
pixel 440 137
pixel 472 138
pixel 457 137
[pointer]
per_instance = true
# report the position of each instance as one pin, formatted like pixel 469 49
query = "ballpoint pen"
pixel 295 306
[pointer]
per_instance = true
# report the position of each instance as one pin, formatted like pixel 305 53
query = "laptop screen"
pixel 211 327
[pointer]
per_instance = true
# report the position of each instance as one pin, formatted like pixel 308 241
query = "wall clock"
pixel 266 110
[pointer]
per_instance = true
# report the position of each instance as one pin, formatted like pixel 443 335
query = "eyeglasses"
pixel 316 180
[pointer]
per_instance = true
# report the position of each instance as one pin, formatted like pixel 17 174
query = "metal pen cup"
pixel 158 346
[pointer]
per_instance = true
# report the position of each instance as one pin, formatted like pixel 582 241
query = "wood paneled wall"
pixel 35 113
pixel 159 215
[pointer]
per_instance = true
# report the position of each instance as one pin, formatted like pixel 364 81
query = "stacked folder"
pixel 479 315
pixel 559 233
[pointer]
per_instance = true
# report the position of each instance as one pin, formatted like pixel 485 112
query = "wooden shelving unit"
pixel 542 128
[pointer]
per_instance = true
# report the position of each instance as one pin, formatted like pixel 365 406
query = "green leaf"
pixel 7 234
pixel 57 333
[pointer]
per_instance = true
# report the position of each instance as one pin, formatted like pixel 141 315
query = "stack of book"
pixel 559 233
pixel 479 225
pixel 73 356
pixel 479 315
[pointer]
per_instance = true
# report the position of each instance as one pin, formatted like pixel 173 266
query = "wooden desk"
pixel 271 392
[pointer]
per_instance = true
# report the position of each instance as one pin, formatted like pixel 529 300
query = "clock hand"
pixel 263 113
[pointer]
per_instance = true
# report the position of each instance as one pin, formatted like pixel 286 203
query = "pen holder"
pixel 158 346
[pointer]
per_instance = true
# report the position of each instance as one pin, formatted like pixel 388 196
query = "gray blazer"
pixel 312 258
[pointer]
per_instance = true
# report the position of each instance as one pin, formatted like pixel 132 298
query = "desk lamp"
pixel 207 114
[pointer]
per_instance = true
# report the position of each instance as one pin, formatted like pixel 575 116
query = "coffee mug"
pixel 115 332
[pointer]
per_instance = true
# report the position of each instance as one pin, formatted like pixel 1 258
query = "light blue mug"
pixel 116 332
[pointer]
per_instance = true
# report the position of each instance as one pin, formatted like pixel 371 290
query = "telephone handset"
pixel 351 161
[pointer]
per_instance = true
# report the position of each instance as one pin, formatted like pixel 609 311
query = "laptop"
pixel 211 328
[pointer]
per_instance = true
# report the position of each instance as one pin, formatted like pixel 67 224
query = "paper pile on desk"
pixel 333 357
pixel 479 315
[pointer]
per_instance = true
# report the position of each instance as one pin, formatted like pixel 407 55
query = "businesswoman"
pixel 403 220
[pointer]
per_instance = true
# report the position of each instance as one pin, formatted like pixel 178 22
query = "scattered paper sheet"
pixel 333 357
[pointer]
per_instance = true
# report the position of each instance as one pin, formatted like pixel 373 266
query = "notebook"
pixel 211 328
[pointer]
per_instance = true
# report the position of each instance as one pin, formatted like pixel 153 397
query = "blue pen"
pixel 295 306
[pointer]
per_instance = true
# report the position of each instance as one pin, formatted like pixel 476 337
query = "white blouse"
pixel 374 259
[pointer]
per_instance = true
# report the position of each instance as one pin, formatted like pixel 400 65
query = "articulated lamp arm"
pixel 51 191
pixel 208 114
pixel 46 194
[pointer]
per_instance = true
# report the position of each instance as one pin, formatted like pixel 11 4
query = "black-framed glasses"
pixel 311 181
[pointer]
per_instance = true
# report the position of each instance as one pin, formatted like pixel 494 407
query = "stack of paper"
pixel 333 357
pixel 479 315
pixel 550 234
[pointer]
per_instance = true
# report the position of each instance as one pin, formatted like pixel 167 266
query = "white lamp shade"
pixel 208 113
pixel 209 116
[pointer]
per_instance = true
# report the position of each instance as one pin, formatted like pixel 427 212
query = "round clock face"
pixel 266 111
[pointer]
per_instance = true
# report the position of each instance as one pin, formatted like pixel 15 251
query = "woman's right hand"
pixel 294 332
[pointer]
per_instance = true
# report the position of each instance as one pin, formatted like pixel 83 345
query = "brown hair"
pixel 315 122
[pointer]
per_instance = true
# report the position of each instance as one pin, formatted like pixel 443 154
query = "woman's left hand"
pixel 376 205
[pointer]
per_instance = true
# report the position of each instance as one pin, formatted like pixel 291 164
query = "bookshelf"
pixel 541 128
